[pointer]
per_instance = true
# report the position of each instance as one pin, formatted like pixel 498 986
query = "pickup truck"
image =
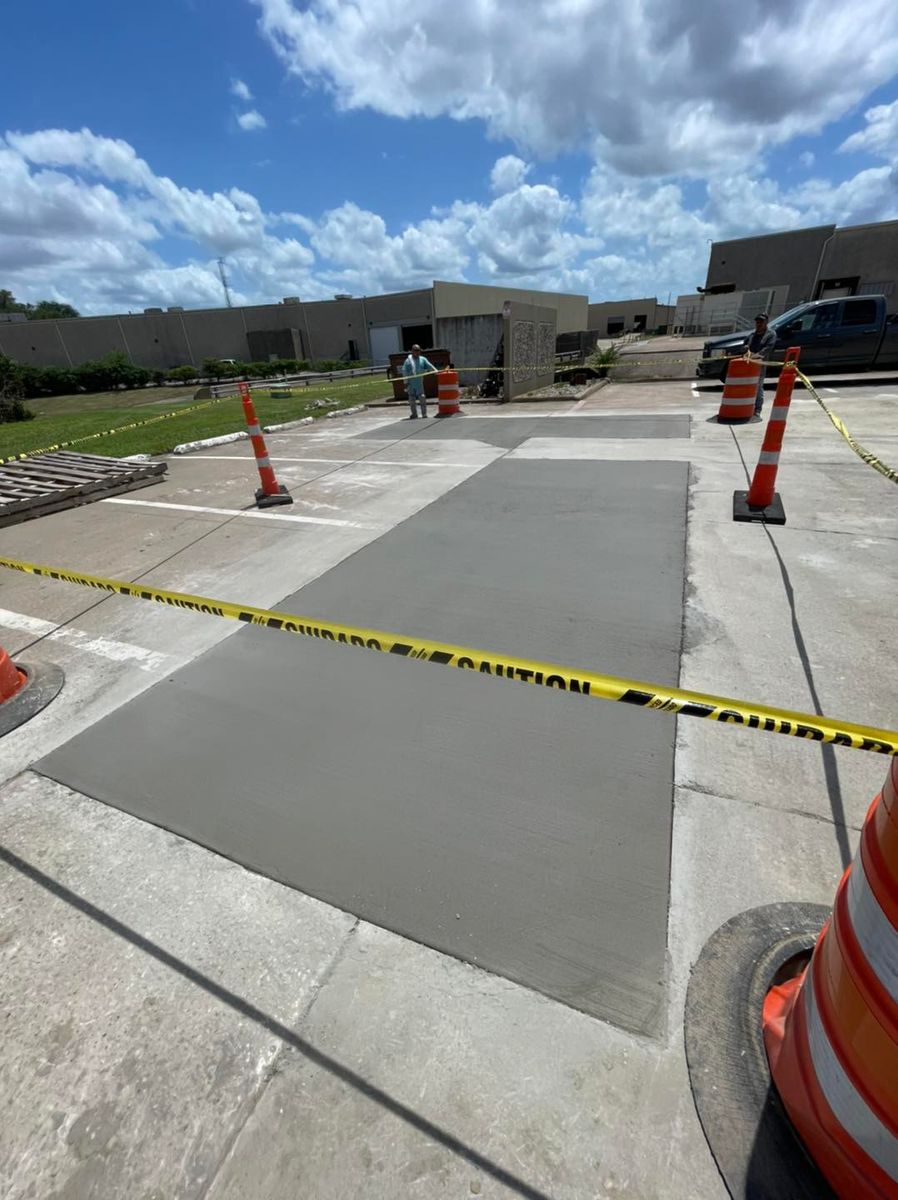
pixel 852 333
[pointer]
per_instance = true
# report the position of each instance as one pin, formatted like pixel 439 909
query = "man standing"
pixel 413 370
pixel 761 345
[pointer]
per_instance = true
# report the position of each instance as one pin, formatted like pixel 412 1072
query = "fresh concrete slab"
pixel 524 831
pixel 510 431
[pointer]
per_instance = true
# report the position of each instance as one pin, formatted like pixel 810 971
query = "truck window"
pixel 825 317
pixel 859 312
pixel 814 318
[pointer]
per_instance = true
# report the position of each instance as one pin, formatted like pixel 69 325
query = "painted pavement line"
pixel 237 512
pixel 108 648
pixel 337 462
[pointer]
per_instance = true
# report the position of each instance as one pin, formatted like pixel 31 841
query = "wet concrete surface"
pixel 526 833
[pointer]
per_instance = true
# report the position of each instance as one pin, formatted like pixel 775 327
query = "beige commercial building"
pixel 347 327
pixel 612 318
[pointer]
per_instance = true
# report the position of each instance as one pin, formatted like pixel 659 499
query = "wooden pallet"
pixel 50 482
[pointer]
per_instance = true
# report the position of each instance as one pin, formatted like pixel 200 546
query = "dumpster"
pixel 440 359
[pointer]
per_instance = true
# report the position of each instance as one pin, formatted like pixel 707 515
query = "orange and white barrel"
pixel 740 390
pixel 448 403
pixel 832 1032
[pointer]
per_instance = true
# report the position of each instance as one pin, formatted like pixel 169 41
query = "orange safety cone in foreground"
pixel 761 502
pixel 447 382
pixel 25 689
pixel 12 680
pixel 739 391
pixel 270 493
pixel 831 1033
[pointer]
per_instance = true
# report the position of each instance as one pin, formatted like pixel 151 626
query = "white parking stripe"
pixel 337 462
pixel 237 512
pixel 108 648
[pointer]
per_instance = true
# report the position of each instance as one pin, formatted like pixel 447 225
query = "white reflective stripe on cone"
pixel 876 935
pixel 263 462
pixel 253 430
pixel 769 457
pixel 849 1108
pixel 779 412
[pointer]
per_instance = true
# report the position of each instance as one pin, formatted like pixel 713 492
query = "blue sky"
pixel 324 146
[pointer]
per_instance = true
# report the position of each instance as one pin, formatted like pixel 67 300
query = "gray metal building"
pixel 811 263
pixel 368 327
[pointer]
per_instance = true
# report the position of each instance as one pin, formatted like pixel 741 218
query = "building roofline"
pixel 753 237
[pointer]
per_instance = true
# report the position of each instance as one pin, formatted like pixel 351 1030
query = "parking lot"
pixel 280 917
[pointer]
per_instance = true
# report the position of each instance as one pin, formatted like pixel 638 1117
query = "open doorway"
pixel 417 335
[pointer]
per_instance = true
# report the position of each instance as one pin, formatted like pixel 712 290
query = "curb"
pixel 224 440
pixel 346 412
pixel 288 425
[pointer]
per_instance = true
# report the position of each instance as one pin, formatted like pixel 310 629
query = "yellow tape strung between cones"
pixel 90 437
pixel 867 455
pixel 503 666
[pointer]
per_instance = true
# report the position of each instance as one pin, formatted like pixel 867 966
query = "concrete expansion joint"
pixel 275 1067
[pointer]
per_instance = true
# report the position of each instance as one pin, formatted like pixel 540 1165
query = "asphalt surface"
pixel 524 832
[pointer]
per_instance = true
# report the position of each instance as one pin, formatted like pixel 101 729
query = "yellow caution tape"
pixel 503 666
pixel 866 455
pixel 90 437
pixel 179 412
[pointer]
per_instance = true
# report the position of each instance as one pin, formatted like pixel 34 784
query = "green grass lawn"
pixel 66 418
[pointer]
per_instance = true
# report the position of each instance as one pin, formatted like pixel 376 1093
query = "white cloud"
pixel 653 86
pixel 807 159
pixel 251 120
pixel 241 91
pixel 880 137
pixel 508 173
pixel 84 218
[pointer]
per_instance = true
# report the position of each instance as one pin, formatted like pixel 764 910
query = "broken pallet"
pixel 50 482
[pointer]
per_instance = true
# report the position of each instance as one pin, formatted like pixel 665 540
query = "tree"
pixel 8 302
pixel 212 368
pixel 11 406
pixel 49 310
pixel 185 374
pixel 44 310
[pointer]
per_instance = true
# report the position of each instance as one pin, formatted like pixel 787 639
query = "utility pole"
pixel 224 282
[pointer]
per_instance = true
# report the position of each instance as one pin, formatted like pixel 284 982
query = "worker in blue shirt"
pixel 413 369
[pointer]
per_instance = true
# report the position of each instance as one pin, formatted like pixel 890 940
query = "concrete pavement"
pixel 178 1026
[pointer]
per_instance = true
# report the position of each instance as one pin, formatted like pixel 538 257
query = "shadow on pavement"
pixel 274 1027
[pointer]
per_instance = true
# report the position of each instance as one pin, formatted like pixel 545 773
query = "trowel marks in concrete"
pixel 511 432
pixel 525 831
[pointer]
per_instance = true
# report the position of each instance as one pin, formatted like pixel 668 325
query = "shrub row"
pixel 115 371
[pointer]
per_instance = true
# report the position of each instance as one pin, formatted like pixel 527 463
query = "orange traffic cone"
pixel 831 1033
pixel 25 689
pixel 761 502
pixel 270 493
pixel 12 680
